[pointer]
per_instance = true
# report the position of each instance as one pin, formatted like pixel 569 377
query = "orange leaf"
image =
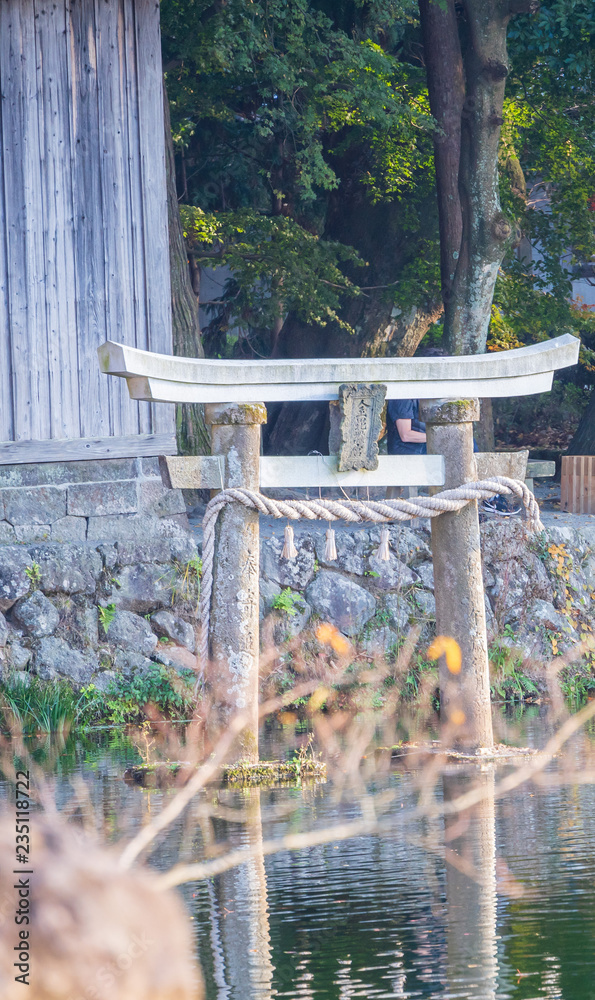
pixel 449 647
pixel 327 633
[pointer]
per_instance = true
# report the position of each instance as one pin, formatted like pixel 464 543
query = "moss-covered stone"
pixel 243 772
pixel 273 771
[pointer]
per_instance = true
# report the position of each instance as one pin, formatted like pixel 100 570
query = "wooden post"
pixel 233 661
pixel 465 707
pixel 578 484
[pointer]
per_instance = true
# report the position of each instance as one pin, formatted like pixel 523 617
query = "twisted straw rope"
pixel 355 511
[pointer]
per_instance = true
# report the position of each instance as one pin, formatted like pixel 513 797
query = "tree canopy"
pixel 305 164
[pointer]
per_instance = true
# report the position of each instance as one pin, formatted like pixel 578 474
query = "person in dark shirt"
pixel 406 435
pixel 405 432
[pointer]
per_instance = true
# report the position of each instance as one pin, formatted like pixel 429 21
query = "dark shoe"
pixel 501 505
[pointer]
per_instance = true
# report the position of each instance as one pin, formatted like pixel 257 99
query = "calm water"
pixel 507 911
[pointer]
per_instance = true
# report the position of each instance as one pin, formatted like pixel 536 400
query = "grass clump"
pixel 33 572
pixel 31 706
pixel 271 772
pixel 184 581
pixel 577 683
pixel 508 681
pixel 107 613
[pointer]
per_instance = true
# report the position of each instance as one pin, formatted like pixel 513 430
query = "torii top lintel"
pixel 160 377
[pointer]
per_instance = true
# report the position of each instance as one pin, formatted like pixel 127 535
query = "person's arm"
pixel 406 432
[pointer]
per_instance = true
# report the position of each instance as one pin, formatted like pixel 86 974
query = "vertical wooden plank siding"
pixel 84 252
pixel 153 179
pixel 87 237
pixel 578 484
pixel 6 409
pixel 57 208
pixel 23 225
pixel 115 199
pixel 136 243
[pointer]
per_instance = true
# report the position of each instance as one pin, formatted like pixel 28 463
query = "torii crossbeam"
pixel 162 378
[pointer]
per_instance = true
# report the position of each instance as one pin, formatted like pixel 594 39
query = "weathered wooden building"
pixel 83 226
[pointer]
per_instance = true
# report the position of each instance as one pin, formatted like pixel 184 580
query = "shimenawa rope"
pixel 354 511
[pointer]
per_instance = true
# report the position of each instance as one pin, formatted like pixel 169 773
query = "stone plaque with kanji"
pixel 360 409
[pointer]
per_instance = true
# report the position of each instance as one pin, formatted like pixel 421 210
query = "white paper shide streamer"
pixel 330 548
pixel 383 551
pixel 289 549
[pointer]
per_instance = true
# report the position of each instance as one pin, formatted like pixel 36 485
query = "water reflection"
pixel 239 916
pixel 392 917
pixel 471 900
pixel 361 919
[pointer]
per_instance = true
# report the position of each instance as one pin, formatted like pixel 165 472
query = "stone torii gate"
pixel 235 393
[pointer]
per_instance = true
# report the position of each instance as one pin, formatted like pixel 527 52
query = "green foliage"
pixel 288 601
pixel 527 310
pixel 380 619
pixel 577 683
pixel 305 760
pixel 33 706
pixel 418 666
pixel 126 700
pixel 106 613
pixel 33 572
pixel 549 131
pixel 291 122
pixel 279 113
pixel 274 87
pixel 509 682
pixel 267 254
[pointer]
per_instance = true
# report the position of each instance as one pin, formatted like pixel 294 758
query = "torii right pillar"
pixel 465 707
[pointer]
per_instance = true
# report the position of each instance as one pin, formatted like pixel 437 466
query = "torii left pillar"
pixel 233 647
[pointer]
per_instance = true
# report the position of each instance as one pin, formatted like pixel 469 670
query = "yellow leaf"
pixel 457 717
pixel 445 644
pixel 317 698
pixel 327 633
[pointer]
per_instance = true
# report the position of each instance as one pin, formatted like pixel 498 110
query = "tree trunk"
pixel 446 88
pixel 385 236
pixel 583 442
pixel 296 429
pixel 480 35
pixel 377 334
pixel 192 432
pixel 390 237
pixel 486 231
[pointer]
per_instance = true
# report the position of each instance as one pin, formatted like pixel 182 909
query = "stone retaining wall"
pixel 97 565
pixel 539 589
pixel 76 501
